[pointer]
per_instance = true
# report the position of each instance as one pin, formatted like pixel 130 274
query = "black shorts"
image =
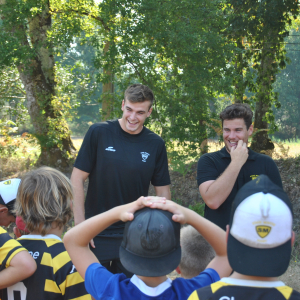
pixel 107 252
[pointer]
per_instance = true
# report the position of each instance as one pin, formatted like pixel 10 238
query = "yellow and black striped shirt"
pixel 55 278
pixel 8 248
pixel 225 291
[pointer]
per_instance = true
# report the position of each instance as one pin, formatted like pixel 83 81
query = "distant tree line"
pixel 63 62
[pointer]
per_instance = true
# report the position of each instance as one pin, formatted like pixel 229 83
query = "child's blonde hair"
pixel 196 252
pixel 44 197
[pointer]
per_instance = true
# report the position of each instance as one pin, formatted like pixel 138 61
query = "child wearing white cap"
pixel 259 245
pixel 8 194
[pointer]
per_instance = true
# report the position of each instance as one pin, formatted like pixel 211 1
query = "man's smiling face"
pixel 134 115
pixel 235 130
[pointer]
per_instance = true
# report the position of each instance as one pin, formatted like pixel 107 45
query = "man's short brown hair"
pixel 196 252
pixel 237 111
pixel 139 93
pixel 44 197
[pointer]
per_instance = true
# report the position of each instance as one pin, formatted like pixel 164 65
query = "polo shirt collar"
pixel 225 154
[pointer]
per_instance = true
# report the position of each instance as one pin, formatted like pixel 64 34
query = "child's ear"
pixel 178 270
pixel 3 209
pixel 17 232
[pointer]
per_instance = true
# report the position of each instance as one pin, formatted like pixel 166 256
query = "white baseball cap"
pixel 9 190
pixel 259 241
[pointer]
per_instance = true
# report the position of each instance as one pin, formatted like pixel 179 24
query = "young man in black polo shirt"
pixel 222 173
pixel 120 158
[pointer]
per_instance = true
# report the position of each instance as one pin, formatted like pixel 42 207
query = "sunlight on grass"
pixel 17 156
pixel 282 150
pixel 27 152
pixel 77 141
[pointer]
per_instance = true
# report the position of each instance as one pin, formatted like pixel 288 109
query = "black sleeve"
pixel 161 176
pixel 86 158
pixel 272 172
pixel 206 170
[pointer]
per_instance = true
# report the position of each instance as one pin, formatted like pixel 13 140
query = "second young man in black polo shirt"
pixel 222 173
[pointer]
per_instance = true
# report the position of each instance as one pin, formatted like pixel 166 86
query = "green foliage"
pixel 179 165
pixel 14 146
pixel 79 75
pixel 198 208
pixel 12 97
pixel 259 29
pixel 193 54
pixel 176 49
pixel 287 86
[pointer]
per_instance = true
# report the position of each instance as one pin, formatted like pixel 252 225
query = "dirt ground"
pixel 185 191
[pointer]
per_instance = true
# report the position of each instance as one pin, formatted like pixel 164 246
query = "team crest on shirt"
pixel 7 182
pixel 145 155
pixel 263 230
pixel 253 176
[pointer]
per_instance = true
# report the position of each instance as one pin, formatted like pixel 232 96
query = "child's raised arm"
pixel 214 235
pixel 77 239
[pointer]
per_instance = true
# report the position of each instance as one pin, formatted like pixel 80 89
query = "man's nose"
pixel 132 115
pixel 232 135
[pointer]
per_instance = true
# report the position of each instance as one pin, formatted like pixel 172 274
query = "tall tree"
pixel 32 33
pixel 263 26
pixel 24 41
pixel 175 48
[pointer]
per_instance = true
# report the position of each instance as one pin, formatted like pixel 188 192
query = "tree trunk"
pixel 261 141
pixel 38 76
pixel 108 90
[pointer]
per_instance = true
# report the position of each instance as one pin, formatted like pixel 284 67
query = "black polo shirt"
pixel 212 165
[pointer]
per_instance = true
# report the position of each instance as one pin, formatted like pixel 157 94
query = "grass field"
pixel 282 150
pixel 23 152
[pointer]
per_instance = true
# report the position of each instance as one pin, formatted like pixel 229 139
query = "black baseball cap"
pixel 259 240
pixel 151 243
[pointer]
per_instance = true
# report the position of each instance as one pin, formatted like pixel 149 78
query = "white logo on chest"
pixel 145 155
pixel 111 148
pixel 73 269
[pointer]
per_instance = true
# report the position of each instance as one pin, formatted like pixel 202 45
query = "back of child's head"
pixel 44 199
pixel 196 252
pixel 151 243
pixel 260 229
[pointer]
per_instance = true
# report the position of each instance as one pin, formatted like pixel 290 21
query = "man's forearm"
pixel 163 191
pixel 218 191
pixel 78 205
pixel 78 201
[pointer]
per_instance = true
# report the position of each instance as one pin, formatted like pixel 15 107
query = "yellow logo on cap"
pixel 7 182
pixel 263 231
pixel 253 176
